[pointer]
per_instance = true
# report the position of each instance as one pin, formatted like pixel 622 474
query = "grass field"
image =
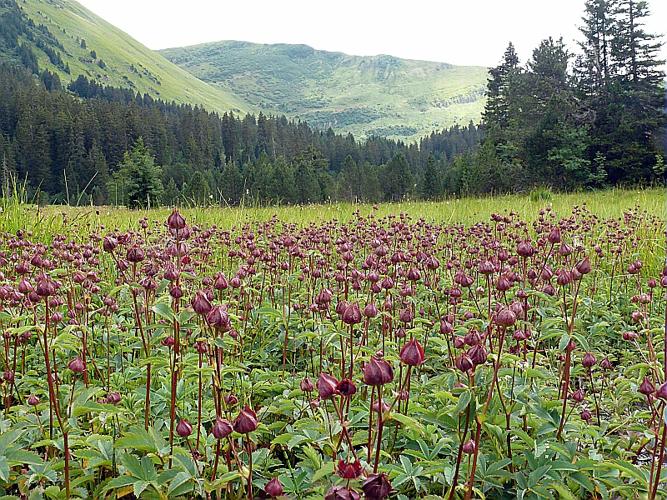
pixel 44 221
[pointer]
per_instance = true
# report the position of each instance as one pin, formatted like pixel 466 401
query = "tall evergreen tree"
pixel 432 183
pixel 138 181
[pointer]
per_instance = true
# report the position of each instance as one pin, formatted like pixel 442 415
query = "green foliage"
pixel 137 181
pixel 548 126
pixel 70 147
pixel 514 408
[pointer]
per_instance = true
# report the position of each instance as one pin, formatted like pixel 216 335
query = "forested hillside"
pixel 76 150
pixel 69 40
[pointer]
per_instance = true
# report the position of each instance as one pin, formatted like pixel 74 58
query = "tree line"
pixel 569 122
pixel 71 146
pixel 559 120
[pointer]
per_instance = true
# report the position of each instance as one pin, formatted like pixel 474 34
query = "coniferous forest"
pixel 568 118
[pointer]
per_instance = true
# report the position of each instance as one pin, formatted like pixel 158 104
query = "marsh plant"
pixel 382 357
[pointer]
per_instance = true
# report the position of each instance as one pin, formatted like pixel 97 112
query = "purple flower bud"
pixel 505 317
pixel 588 360
pixel 646 387
pixel 135 254
pixel 274 488
pixel 351 314
pixel 469 447
pixel 184 429
pixel 376 487
pixel 76 365
pixel 586 415
pixel 346 388
pixel 326 385
pixel 306 385
pixel 412 353
pixel 200 303
pixel 246 421
pixel 175 220
pixel 377 372
pixel 341 493
pixel 221 428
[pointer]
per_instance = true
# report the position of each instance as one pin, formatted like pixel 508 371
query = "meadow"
pixel 506 347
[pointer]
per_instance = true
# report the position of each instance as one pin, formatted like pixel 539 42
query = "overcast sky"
pixel 467 32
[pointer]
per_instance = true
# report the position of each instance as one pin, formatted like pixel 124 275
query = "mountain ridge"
pixel 86 44
pixel 366 95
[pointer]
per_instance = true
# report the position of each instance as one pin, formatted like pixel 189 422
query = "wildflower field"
pixel 490 348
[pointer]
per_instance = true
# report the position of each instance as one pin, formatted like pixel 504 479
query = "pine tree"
pixel 396 178
pixel 432 184
pixel 138 179
pixel 593 66
pixel 498 94
pixel 638 79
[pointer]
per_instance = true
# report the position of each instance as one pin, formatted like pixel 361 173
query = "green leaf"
pixel 139 487
pixel 4 469
pixel 407 422
pixel 326 470
pixel 164 310
pixel 180 479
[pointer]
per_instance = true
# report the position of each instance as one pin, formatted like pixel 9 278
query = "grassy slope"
pixel 381 95
pixel 69 22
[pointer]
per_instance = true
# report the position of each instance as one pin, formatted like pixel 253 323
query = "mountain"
pixel 70 40
pixel 378 95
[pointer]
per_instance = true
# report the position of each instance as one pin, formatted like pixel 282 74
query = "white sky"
pixel 465 32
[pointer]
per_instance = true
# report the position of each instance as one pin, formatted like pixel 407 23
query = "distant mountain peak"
pixel 366 95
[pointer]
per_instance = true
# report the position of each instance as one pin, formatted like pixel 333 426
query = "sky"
pixel 464 32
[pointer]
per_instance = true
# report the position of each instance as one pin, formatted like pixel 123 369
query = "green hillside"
pixel 112 57
pixel 379 95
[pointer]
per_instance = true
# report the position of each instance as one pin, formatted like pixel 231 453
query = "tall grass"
pixel 44 222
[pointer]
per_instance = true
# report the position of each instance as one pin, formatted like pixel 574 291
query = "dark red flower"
pixel 377 372
pixel 76 365
pixel 135 254
pixel 341 493
pixel 274 488
pixel 246 421
pixel 307 385
pixel 469 447
pixel 376 487
pixel 346 387
pixel 200 303
pixel 175 220
pixel 326 385
pixel 221 428
pixel 505 317
pixel 351 314
pixel 588 360
pixel 412 353
pixel 586 415
pixel 184 429
pixel 350 470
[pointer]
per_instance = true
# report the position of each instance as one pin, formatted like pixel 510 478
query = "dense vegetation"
pixel 377 357
pixel 72 150
pixel 570 122
pixel 378 95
